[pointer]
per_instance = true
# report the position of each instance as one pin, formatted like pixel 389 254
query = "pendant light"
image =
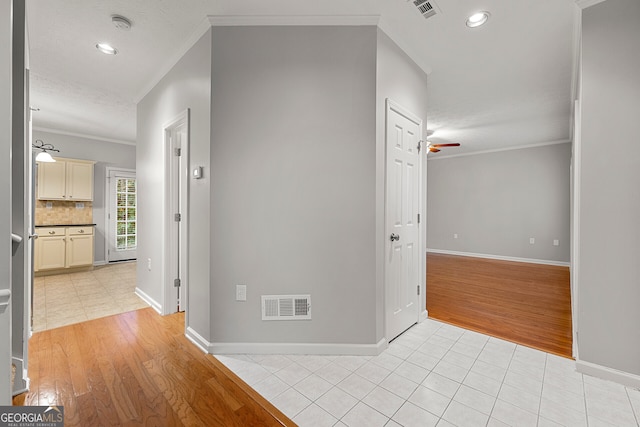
pixel 43 156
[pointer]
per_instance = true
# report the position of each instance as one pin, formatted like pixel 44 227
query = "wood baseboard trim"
pixel 299 348
pixel 610 374
pixel 499 257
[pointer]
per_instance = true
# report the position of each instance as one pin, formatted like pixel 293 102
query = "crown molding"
pixel 292 20
pixel 583 4
pixel 498 150
pixel 83 135
pixel 196 35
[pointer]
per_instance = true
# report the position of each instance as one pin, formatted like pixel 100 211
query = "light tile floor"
pixel 438 374
pixel 65 299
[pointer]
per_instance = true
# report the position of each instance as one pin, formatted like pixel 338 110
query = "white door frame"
pixel 422 311
pixel 107 204
pixel 176 200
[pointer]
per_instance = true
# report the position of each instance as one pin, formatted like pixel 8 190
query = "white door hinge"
pixel 177 152
pixel 176 283
pixel 177 217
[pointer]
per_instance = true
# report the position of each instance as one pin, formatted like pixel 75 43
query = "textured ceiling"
pixel 505 84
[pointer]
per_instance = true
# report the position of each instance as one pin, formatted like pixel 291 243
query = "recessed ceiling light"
pixel 477 19
pixel 106 48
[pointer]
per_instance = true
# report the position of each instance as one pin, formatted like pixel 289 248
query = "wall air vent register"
pixel 426 7
pixel 286 307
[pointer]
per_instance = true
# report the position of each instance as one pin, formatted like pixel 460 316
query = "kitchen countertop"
pixel 66 225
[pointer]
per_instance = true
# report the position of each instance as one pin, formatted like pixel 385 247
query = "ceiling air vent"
pixel 426 7
pixel 286 307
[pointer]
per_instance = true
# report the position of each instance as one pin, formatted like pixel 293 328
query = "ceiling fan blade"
pixel 454 144
pixel 433 149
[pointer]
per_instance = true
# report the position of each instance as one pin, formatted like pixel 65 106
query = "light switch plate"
pixel 241 292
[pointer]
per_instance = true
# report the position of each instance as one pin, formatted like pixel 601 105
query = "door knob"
pixel 394 237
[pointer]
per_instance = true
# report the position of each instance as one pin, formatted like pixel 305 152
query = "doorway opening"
pixel 176 148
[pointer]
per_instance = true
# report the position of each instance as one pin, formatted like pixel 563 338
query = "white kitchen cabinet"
pixel 63 247
pixel 79 251
pixel 65 179
pixel 49 249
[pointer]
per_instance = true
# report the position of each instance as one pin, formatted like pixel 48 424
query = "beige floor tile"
pixel 58 278
pixel 66 299
pixel 108 311
pixel 64 321
pixel 94 289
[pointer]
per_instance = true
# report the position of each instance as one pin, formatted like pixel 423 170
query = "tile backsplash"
pixel 63 212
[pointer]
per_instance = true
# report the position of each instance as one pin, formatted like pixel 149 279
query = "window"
pixel 126 199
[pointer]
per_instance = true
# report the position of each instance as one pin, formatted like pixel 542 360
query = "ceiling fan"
pixel 434 147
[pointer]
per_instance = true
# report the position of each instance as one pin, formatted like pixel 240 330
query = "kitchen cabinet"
pixel 49 249
pixel 65 179
pixel 63 247
pixel 79 249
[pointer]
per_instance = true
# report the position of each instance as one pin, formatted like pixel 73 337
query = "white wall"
pixel 186 85
pixel 496 201
pixel 105 154
pixel 293 196
pixel 6 61
pixel 401 80
pixel 609 271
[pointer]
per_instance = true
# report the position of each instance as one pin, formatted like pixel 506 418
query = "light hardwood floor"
pixel 138 368
pixel 528 304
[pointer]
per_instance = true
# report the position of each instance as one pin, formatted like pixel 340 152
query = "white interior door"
pixel 122 220
pixel 403 177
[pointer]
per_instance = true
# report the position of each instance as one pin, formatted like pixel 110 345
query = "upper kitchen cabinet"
pixel 65 179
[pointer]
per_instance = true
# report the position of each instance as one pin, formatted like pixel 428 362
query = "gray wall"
pixel 293 185
pixel 5 193
pixel 106 154
pixel 186 85
pixel 401 80
pixel 609 271
pixel 496 201
pixel 19 203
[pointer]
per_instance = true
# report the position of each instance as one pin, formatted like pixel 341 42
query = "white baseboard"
pixel 423 316
pixel 97 263
pixel 21 383
pixel 197 339
pixel 299 348
pixel 153 303
pixel 499 257
pixel 610 374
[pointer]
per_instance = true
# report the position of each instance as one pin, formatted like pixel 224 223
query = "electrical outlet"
pixel 455 235
pixel 49 205
pixel 79 205
pixel 556 242
pixel 532 240
pixel 241 292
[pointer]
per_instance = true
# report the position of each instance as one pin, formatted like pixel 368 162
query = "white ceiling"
pixel 502 85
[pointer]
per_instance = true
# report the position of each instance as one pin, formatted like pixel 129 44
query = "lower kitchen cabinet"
pixel 63 247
